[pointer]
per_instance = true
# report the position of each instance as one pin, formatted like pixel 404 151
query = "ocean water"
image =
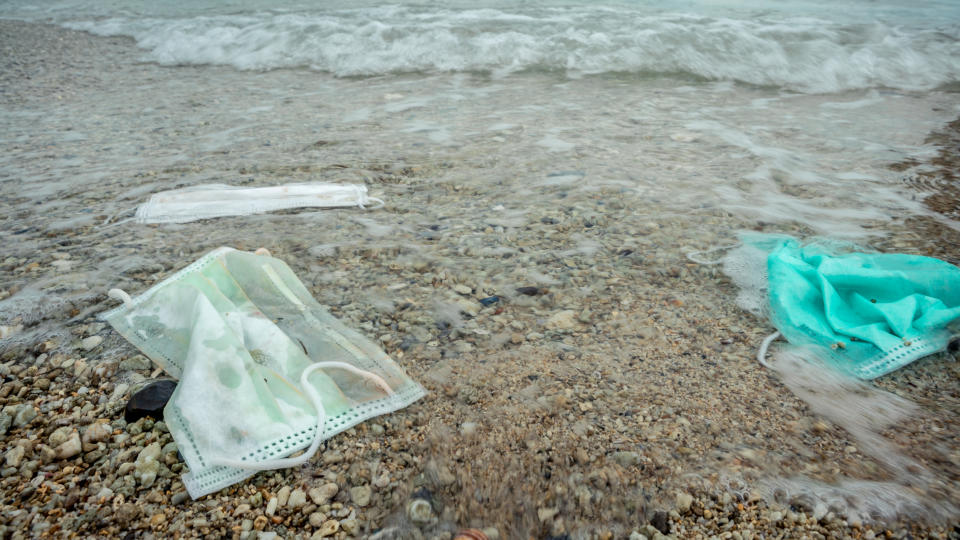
pixel 799 46
pixel 671 125
pixel 773 101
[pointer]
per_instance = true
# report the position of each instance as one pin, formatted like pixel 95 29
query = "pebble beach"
pixel 586 377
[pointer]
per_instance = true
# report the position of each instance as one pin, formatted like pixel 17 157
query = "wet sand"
pixel 623 400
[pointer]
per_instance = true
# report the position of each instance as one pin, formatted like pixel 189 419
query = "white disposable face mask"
pixel 216 200
pixel 264 370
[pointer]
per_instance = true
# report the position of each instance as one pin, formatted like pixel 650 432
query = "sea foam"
pixel 799 53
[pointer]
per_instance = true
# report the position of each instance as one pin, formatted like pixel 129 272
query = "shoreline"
pixel 643 412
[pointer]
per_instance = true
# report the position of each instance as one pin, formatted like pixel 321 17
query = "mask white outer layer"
pixel 217 200
pixel 221 411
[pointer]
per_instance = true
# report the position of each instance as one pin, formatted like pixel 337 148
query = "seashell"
pixel 470 534
pixel 419 511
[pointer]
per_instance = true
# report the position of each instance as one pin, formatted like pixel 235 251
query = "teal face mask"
pixel 263 369
pixel 874 312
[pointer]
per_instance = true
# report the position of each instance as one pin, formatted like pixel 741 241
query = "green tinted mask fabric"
pixel 874 312
pixel 264 371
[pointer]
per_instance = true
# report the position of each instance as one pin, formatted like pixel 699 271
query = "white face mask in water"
pixel 264 370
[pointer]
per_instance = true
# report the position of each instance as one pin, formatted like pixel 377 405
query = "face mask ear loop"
pixel 107 221
pixel 361 197
pixel 121 295
pixel 762 353
pixel 283 463
pixel 695 255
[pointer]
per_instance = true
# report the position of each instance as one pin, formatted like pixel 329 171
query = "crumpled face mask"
pixel 874 312
pixel 217 200
pixel 263 369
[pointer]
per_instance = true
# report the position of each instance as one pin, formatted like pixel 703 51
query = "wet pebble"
pixel 24 415
pixel 323 494
pixel 360 495
pixel 14 455
pixel 91 343
pixel 329 528
pixel 147 465
pixel 298 498
pixel 136 363
pixel 97 432
pixel 562 320
pixel 283 496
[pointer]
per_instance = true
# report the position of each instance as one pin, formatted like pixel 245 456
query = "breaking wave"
pixel 798 53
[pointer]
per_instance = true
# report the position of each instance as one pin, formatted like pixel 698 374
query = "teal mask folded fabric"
pixel 875 312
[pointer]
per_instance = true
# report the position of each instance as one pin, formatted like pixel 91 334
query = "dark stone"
pixel 660 522
pixel 529 291
pixel 408 342
pixel 71 499
pixel 179 498
pixel 422 493
pixel 954 345
pixel 566 173
pixel 490 300
pixel 150 401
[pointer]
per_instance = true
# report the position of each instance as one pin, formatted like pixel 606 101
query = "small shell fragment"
pixel 470 534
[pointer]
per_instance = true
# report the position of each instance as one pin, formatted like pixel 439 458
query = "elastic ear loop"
pixel 363 199
pixel 282 463
pixel 121 295
pixel 695 255
pixel 762 353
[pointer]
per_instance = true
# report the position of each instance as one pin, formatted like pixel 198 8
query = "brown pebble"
pixel 157 521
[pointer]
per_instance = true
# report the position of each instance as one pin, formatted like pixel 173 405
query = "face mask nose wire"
pixel 282 463
pixel 762 353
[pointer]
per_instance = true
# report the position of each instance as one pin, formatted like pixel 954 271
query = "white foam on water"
pixel 859 501
pixel 860 408
pixel 803 53
pixel 863 411
pixel 794 181
pixel 555 144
